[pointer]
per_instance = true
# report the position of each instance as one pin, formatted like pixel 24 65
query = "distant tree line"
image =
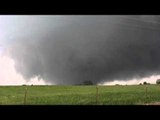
pixel 158 81
pixel 144 83
pixel 86 83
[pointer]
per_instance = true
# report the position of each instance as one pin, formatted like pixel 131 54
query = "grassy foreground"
pixel 79 95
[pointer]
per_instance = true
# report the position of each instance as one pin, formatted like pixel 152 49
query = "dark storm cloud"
pixel 90 48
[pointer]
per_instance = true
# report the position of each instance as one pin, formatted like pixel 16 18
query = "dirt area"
pixel 155 103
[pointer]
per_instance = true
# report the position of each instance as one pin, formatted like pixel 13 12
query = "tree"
pixel 158 81
pixel 144 83
pixel 87 83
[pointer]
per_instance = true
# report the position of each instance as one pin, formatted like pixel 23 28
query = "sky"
pixel 9 76
pixel 57 49
pixel 11 26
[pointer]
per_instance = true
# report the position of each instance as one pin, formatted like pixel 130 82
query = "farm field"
pixel 80 95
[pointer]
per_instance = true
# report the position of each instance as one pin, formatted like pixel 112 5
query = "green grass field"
pixel 80 95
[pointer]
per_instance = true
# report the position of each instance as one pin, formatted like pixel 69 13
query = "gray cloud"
pixel 95 48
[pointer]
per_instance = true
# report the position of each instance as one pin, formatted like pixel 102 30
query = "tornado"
pixel 72 49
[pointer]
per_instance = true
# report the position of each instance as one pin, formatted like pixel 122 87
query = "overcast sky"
pixel 73 49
